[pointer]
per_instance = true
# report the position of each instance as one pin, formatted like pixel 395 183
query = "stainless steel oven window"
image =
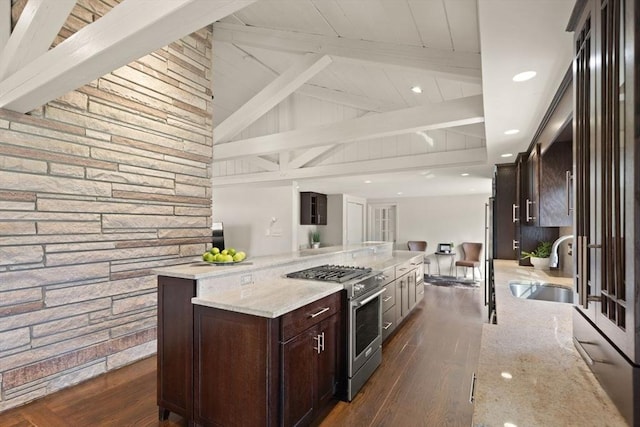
pixel 367 325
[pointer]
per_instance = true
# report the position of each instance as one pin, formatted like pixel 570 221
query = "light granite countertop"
pixel 269 293
pixel 529 373
pixel 198 269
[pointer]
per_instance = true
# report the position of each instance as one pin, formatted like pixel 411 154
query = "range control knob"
pixel 359 287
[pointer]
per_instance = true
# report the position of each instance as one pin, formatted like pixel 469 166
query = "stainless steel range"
pixel 363 320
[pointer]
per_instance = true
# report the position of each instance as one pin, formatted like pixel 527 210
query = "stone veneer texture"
pixel 96 189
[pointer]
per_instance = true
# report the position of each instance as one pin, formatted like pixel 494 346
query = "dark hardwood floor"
pixel 424 380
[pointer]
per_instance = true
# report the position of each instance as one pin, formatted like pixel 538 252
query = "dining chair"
pixel 471 259
pixel 420 246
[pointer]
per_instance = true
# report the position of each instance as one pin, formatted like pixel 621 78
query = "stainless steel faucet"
pixel 553 258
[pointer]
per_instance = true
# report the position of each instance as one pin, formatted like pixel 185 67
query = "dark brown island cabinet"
pixel 313 208
pixel 223 368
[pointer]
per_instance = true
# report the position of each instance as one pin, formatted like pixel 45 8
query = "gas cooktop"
pixel 331 273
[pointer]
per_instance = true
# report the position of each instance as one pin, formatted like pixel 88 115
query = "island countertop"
pixel 262 289
pixel 198 269
pixel 529 373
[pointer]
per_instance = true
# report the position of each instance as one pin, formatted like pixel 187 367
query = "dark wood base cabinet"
pixel 222 368
pixel 175 350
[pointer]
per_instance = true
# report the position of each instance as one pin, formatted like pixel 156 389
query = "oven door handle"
pixel 371 298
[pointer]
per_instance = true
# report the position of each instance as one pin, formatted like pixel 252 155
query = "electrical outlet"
pixel 247 279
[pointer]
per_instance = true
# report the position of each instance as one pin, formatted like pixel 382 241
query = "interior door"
pixel 383 223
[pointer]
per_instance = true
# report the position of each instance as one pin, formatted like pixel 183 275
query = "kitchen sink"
pixel 541 291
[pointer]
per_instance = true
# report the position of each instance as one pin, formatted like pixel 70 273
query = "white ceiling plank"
pixel 129 31
pixel 475 156
pixel 348 99
pixel 270 96
pixel 38 26
pixel 5 23
pixel 454 65
pixel 309 155
pixel 263 163
pixel 458 112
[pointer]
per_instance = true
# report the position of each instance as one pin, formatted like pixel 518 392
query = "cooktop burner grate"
pixel 331 273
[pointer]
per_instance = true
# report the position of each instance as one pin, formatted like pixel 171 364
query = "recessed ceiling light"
pixel 416 89
pixel 511 131
pixel 399 193
pixel 506 375
pixel 510 425
pixel 506 155
pixel 523 77
pixel 367 182
pixel 464 174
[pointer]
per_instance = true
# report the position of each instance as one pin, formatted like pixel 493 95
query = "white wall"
pixel 247 214
pixel 441 219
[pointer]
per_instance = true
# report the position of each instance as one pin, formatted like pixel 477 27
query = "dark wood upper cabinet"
pixel 313 208
pixel 506 211
pixel 555 195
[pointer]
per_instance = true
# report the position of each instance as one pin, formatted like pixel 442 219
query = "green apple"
pixel 232 251
pixel 208 257
pixel 226 258
pixel 225 252
pixel 242 255
pixel 215 251
pixel 237 257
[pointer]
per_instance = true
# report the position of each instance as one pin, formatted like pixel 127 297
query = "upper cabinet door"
pixel 313 208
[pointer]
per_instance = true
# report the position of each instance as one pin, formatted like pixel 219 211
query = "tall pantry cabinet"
pixel 606 188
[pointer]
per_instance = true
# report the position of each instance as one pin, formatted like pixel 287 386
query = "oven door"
pixel 365 328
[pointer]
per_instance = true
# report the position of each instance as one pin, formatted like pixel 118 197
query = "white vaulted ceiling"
pixel 378 50
pixel 318 91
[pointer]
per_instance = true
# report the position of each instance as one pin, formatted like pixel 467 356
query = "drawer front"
pixel 615 374
pixel 403 269
pixel 388 323
pixel 389 275
pixel 389 296
pixel 293 323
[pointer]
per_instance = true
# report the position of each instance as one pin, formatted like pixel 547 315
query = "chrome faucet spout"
pixel 553 258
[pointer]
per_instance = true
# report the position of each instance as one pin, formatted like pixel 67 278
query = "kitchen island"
pixel 233 340
pixel 529 372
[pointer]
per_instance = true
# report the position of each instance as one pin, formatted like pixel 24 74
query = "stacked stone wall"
pixel 97 188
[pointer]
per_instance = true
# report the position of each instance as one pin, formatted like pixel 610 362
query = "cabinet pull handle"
pixel 472 391
pixel 513 213
pixel 372 297
pixel 387 299
pixel 594 246
pixel 583 352
pixel 529 217
pixel 514 245
pixel 387 325
pixel 324 310
pixel 568 178
pixel 320 339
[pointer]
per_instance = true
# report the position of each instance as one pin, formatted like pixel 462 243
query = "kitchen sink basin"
pixel 541 291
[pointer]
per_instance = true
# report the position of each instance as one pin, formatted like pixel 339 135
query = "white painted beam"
pixel 284 160
pixel 38 26
pixel 283 86
pixel 331 95
pixel 471 157
pixel 129 31
pixel 309 155
pixel 5 24
pixel 461 66
pixel 446 114
pixel 262 163
pixel 349 99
